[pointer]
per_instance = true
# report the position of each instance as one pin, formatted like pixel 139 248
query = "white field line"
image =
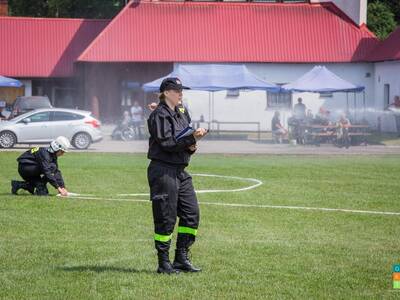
pixel 256 206
pixel 74 195
pixel 256 183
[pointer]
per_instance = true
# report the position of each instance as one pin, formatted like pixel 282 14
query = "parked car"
pixel 25 104
pixel 44 125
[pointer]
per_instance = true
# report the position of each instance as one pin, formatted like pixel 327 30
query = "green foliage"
pixel 380 19
pixel 98 9
pixel 394 6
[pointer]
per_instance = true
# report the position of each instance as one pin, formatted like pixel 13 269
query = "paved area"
pixel 239 147
pixel 248 147
pixel 108 145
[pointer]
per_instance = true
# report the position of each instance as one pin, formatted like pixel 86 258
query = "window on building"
pixel 386 95
pixel 326 95
pixel 281 100
pixel 232 94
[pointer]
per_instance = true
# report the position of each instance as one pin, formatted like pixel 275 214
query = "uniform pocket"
pixel 162 197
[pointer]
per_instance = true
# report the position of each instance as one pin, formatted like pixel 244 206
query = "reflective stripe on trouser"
pixel 188 230
pixel 162 238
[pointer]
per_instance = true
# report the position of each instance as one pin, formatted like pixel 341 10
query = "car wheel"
pixel 7 139
pixel 127 134
pixel 81 140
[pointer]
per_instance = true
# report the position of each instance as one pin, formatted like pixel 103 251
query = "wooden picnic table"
pixel 313 131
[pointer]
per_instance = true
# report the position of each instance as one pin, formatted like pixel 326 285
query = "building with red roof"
pixel 106 61
pixel 387 75
pixel 44 50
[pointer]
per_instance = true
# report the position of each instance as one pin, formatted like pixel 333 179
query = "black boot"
pixel 164 264
pixel 41 189
pixel 182 261
pixel 16 185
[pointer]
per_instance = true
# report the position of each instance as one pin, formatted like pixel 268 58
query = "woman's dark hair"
pixel 161 97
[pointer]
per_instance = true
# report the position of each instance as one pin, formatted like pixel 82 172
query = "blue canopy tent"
pixel 214 77
pixel 321 80
pixel 9 82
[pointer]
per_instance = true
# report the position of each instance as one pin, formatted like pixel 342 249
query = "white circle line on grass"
pixel 256 183
pixel 75 195
pixel 256 206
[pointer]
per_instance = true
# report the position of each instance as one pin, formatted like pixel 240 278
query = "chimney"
pixel 354 9
pixel 3 8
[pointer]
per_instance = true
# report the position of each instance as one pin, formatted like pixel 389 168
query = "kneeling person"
pixel 38 166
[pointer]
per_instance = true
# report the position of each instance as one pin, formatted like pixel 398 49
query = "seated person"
pixel 309 117
pixel 323 117
pixel 137 118
pixel 2 107
pixel 2 117
pixel 296 128
pixel 278 131
pixel 395 108
pixel 343 131
pixel 124 123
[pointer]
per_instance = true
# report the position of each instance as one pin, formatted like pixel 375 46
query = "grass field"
pixel 52 248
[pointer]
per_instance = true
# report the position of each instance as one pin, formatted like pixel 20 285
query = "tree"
pixel 394 6
pixel 380 19
pixel 92 9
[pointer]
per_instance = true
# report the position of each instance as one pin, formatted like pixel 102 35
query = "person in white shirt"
pixel 137 118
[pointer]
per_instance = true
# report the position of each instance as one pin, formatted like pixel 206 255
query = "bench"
pixel 218 125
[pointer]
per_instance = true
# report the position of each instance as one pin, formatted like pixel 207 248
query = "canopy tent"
pixel 214 77
pixel 9 82
pixel 321 80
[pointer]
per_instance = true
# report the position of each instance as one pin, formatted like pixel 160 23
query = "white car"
pixel 44 125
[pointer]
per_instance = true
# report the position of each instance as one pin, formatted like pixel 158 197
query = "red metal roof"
pixel 41 47
pixel 388 49
pixel 231 32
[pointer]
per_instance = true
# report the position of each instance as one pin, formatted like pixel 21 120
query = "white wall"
pixel 386 73
pixel 251 106
pixel 28 86
pixel 355 9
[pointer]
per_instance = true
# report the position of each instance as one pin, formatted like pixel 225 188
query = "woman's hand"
pixel 152 106
pixel 193 147
pixel 200 133
pixel 63 192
